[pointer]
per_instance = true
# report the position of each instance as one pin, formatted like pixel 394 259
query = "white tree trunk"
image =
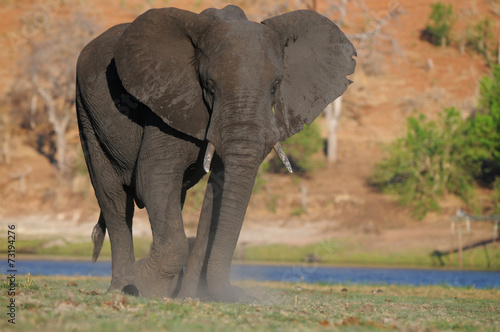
pixel 332 113
pixel 34 101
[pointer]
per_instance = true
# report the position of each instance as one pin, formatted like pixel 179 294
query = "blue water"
pixel 416 277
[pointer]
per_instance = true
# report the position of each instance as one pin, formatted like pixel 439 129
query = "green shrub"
pixel 447 156
pixel 441 19
pixel 483 130
pixel 427 163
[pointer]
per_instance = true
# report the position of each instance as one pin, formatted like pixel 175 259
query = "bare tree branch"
pixel 50 73
pixel 377 28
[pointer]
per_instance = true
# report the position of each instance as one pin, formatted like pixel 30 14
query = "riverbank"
pixel 81 304
pixel 332 252
pixel 308 273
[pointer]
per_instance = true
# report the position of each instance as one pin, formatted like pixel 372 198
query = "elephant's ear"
pixel 317 59
pixel 155 61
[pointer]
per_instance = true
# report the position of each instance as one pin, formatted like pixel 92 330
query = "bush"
pixel 447 156
pixel 427 163
pixel 442 19
pixel 483 130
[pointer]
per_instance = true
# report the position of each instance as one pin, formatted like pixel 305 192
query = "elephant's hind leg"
pixel 118 214
pixel 115 201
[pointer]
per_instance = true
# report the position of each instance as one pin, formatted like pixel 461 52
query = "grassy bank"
pixel 78 248
pixel 81 304
pixel 335 252
pixel 353 253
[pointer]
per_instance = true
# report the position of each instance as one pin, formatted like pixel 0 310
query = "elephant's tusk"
pixel 208 157
pixel 283 157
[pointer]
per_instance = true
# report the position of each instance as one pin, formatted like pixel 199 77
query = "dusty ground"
pixel 393 78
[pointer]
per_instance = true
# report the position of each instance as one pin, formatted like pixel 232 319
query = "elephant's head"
pixel 220 77
pixel 241 85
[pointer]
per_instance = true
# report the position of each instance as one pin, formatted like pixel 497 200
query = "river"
pixel 310 274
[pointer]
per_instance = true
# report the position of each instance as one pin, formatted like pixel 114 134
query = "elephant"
pixel 174 95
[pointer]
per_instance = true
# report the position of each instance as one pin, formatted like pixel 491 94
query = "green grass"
pixel 76 248
pixel 352 253
pixel 336 252
pixel 81 304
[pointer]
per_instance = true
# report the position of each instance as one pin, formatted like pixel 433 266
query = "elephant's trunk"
pixel 242 136
pixel 239 178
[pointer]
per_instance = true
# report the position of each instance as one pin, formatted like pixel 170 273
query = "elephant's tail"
pixel 98 236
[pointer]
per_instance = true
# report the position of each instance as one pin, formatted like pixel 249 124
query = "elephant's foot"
pixel 187 290
pixel 115 286
pixel 122 280
pixel 194 287
pixel 148 282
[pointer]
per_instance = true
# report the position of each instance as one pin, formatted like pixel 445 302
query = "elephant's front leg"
pixel 193 282
pixel 159 184
pixel 153 276
pixel 229 211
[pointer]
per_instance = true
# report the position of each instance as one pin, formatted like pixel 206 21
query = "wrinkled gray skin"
pixel 153 93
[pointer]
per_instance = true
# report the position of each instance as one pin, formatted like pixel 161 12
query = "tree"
pixel 50 72
pixel 484 128
pixel 441 19
pixel 429 161
pixel 451 155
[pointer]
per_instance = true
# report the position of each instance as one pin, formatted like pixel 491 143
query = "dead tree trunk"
pixel 60 123
pixel 332 114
